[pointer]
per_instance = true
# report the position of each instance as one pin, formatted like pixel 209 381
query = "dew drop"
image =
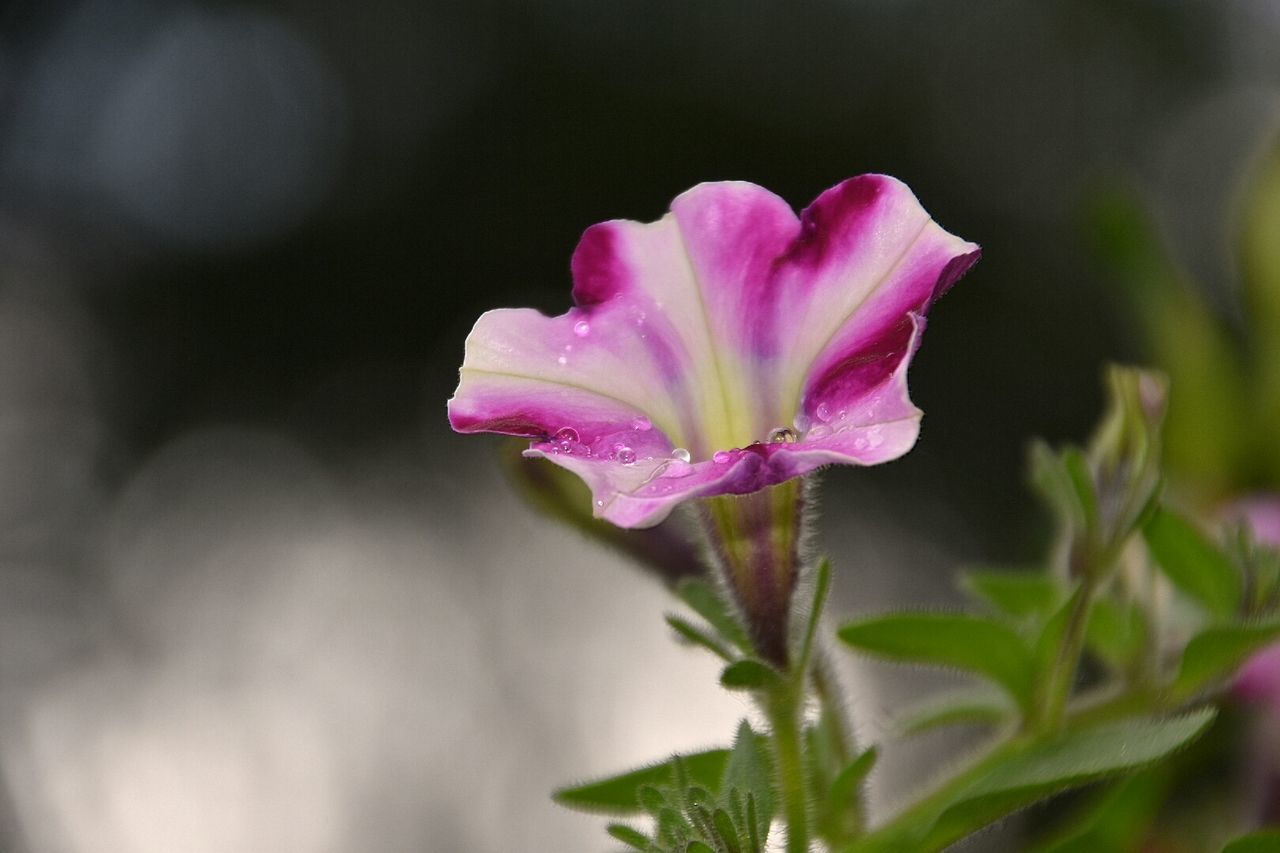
pixel 861 443
pixel 819 431
pixel 823 412
pixel 625 455
pixel 681 454
pixel 599 503
pixel 721 456
pixel 582 328
pixel 565 440
pixel 642 424
pixel 782 435
pixel 677 468
pixel 562 360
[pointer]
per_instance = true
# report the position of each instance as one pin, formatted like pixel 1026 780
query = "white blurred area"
pixel 243 650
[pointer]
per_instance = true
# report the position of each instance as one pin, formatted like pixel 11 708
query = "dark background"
pixel 255 596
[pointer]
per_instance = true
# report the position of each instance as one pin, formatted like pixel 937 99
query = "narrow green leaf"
pixel 620 794
pixel 974 705
pixel 1049 476
pixel 1081 478
pixel 1193 563
pixel 1017 593
pixel 672 828
pixel 754 836
pixel 631 837
pixel 1056 764
pixel 1049 643
pixel 699 847
pixel 822 586
pixel 748 674
pixel 1116 633
pixel 979 645
pixel 847 784
pixel 748 772
pixel 1215 653
pixel 652 799
pixel 727 831
pixel 706 602
pixel 695 636
pixel 1263 841
pixel 1022 772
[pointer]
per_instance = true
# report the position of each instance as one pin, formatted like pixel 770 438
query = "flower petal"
pixel 868 256
pixel 644 493
pixel 527 374
pixel 728 318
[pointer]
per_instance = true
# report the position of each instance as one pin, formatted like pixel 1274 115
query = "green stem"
pixel 783 708
pixel 1063 675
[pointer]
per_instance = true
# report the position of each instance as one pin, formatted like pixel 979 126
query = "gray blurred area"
pixel 254 596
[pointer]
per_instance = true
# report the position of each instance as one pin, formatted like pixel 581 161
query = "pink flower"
pixel 727 347
pixel 1258 681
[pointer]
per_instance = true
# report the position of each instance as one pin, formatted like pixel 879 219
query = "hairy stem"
pixel 783 708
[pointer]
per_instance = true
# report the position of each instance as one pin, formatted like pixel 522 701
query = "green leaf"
pixel 974 705
pixel 1056 764
pixel 1193 563
pixel 1027 770
pixel 1263 841
pixel 1050 477
pixel 631 837
pixel 748 674
pixel 699 847
pixel 706 602
pixel 620 794
pixel 695 636
pixel 1116 633
pixel 845 788
pixel 1216 653
pixel 727 831
pixel 1017 593
pixel 1081 478
pixel 979 645
pixel 821 587
pixel 748 773
pixel 1049 643
pixel 1116 819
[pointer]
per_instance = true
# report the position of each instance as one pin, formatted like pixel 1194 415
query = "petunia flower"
pixel 726 348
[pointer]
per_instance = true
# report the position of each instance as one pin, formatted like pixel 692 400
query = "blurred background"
pixel 255 596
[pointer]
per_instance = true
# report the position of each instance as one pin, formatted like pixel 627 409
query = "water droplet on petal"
pixel 823 412
pixel 599 503
pixel 582 328
pixel 677 468
pixel 642 424
pixel 721 456
pixel 625 455
pixel 681 454
pixel 562 360
pixel 819 431
pixel 782 435
pixel 565 440
pixel 860 443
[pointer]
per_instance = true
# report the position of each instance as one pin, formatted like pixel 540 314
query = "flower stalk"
pixel 755 541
